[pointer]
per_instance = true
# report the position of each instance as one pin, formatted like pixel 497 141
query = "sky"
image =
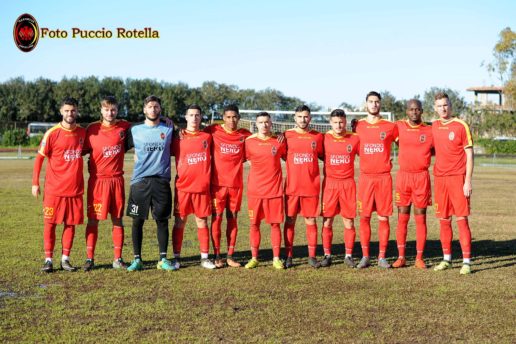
pixel 327 52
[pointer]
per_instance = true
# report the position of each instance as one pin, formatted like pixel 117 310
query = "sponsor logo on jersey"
pixel 153 146
pixel 372 148
pixel 196 158
pixel 72 154
pixel 111 151
pixel 26 32
pixel 303 158
pixel 383 135
pixel 422 138
pixel 451 135
pixel 228 148
pixel 339 159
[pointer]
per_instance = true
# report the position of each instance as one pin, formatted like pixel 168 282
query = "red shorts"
pixel 105 196
pixel 374 194
pixel 67 210
pixel 270 209
pixel 339 196
pixel 304 206
pixel 225 197
pixel 186 203
pixel 413 188
pixel 449 197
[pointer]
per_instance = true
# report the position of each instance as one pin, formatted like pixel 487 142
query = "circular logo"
pixel 313 145
pixel 451 136
pixel 349 148
pixel 383 135
pixel 26 32
pixel 422 138
pixel 274 150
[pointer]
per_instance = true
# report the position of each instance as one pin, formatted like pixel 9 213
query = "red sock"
pixel 177 239
pixel 464 237
pixel 67 239
pixel 349 239
pixel 446 235
pixel 311 236
pixel 203 235
pixel 384 230
pixel 327 238
pixel 118 241
pixel 231 234
pixel 365 235
pixel 49 239
pixel 288 237
pixel 216 222
pixel 401 233
pixel 254 238
pixel 276 239
pixel 92 232
pixel 420 235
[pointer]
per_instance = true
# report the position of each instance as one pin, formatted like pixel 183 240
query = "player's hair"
pixel 69 101
pixel 302 108
pixel 263 114
pixel 373 93
pixel 338 113
pixel 232 107
pixel 441 95
pixel 151 98
pixel 413 100
pixel 109 101
pixel 193 107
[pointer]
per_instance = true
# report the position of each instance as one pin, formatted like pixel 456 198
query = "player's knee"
pixel 93 222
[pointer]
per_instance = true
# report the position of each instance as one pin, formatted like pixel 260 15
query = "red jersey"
pixel 375 145
pixel 193 161
pixel 265 176
pixel 106 146
pixel 63 148
pixel 415 143
pixel 303 150
pixel 339 155
pixel 450 139
pixel 228 155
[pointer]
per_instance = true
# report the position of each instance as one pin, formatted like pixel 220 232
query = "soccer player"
pixel 226 180
pixel 264 188
pixel 192 195
pixel 105 143
pixel 339 189
pixel 150 183
pixel 64 184
pixel 453 170
pixel 413 180
pixel 375 181
pixel 304 147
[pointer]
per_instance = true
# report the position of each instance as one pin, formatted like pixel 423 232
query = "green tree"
pixel 391 104
pixel 457 101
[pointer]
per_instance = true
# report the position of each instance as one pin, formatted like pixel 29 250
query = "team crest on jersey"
pixel 162 135
pixel 422 138
pixel 205 144
pixel 451 135
pixel 314 145
pixel 274 150
pixel 383 135
pixel 81 141
pixel 349 148
pixel 242 139
pixel 122 134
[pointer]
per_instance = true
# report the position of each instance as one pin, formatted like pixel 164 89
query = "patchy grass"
pixel 264 305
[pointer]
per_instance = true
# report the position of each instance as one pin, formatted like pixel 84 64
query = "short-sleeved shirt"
pixel 193 161
pixel 228 155
pixel 415 146
pixel 265 176
pixel 375 145
pixel 339 155
pixel 63 148
pixel 450 140
pixel 152 146
pixel 106 146
pixel 304 148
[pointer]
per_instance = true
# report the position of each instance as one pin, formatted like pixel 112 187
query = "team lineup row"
pixel 209 181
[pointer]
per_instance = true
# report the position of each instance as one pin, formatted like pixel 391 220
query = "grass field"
pixel 333 305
